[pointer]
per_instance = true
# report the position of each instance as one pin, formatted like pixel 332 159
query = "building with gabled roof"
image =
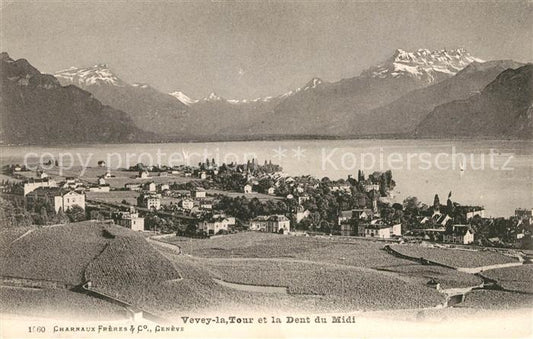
pixel 32 184
pixel 459 234
pixel 275 223
pixel 60 198
pixel 214 224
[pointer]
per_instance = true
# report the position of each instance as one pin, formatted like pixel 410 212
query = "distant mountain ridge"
pixel 36 109
pixel 389 99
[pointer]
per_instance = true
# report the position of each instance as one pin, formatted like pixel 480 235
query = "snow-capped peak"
pixel 96 75
pixel 212 97
pixel 422 64
pixel 183 98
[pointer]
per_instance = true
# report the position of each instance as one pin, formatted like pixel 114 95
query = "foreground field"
pixel 57 304
pixel 316 274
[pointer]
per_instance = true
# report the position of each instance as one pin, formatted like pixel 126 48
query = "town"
pixel 211 199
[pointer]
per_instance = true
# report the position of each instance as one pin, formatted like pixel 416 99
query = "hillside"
pixel 502 110
pixel 53 253
pixel 36 109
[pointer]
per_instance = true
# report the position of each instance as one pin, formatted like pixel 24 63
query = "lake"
pixel 495 174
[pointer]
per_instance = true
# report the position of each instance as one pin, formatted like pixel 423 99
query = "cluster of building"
pixel 365 222
pixel 438 225
pixel 271 223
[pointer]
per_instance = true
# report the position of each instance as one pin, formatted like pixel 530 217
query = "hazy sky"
pixel 247 50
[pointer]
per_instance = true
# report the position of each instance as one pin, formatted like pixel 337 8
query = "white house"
pixel 132 186
pixel 247 188
pixel 302 198
pixel 214 225
pixel 143 175
pixel 206 205
pixel 278 224
pixel 259 223
pixel 150 201
pixel 379 230
pixel 150 187
pixel 130 220
pixel 459 234
pixel 274 223
pixel 187 204
pixel 301 214
pixel 271 191
pixel 475 212
pixel 198 193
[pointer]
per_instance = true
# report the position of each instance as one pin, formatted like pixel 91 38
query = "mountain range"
pixel 400 97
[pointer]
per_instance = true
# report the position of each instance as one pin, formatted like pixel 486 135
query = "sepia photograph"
pixel 266 169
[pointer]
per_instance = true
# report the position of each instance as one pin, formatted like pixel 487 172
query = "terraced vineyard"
pixel 129 268
pixel 268 245
pixel 448 278
pixel 363 288
pixel 497 300
pixel 321 274
pixel 519 278
pixel 54 253
pixel 454 257
pixel 7 236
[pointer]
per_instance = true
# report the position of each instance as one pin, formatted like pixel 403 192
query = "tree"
pixel 61 217
pixel 44 216
pixel 75 213
pixel 411 203
pixel 436 202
